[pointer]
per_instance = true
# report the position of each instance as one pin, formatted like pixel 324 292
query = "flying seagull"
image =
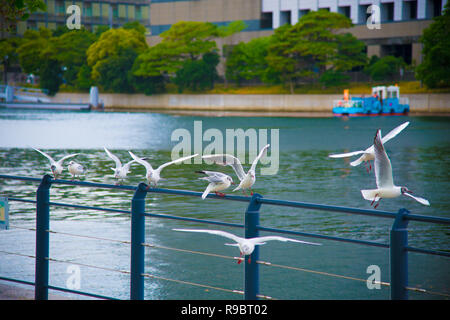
pixel 246 246
pixel 56 166
pixel 384 179
pixel 121 171
pixel 218 181
pixel 247 179
pixel 153 175
pixel 369 153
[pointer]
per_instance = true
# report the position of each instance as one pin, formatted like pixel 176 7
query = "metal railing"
pixel 398 242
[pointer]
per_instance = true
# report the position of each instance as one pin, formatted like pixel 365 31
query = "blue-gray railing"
pixel 398 244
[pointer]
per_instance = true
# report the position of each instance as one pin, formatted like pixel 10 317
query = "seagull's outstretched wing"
pixel 179 160
pixel 262 240
pixel 261 154
pixel 418 199
pixel 127 165
pixel 114 158
pixel 383 168
pixel 213 176
pixel 216 232
pixel 46 155
pixel 394 132
pixel 60 161
pixel 345 155
pixel 228 160
pixel 147 165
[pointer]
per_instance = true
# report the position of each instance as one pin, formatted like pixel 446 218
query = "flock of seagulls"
pixel 218 181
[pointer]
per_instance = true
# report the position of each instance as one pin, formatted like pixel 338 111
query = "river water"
pixel 420 157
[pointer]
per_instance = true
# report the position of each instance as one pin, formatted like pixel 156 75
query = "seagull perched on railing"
pixel 153 175
pixel 218 181
pixel 247 179
pixel 384 179
pixel 56 166
pixel 75 169
pixel 120 172
pixel 246 246
pixel 369 153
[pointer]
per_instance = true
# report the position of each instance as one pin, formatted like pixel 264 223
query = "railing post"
pixel 399 256
pixel 42 238
pixel 251 277
pixel 137 239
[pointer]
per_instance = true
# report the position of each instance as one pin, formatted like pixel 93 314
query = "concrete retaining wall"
pixel 420 103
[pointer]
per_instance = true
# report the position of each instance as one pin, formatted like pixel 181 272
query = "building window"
pixel 115 10
pixel 138 13
pixel 266 20
pixel 387 12
pixel 285 17
pixel 410 10
pixel 434 8
pixel 363 15
pixel 60 8
pixel 301 13
pixel 87 8
pixel 400 50
pixel 345 11
pixel 326 9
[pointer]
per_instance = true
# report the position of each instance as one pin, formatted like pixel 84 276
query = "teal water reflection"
pixel 420 158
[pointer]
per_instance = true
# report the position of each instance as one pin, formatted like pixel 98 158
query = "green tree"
pixel 248 60
pixel 37 55
pixel 110 46
pixel 384 68
pixel 307 48
pixel 434 70
pixel 71 50
pixel 12 11
pixel 8 54
pixel 198 74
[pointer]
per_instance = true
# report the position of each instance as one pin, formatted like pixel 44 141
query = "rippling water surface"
pixel 420 157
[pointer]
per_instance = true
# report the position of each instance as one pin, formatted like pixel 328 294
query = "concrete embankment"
pixel 433 103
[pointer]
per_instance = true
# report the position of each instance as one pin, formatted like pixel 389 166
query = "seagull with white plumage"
pixel 56 166
pixel 384 178
pixel 247 179
pixel 154 175
pixel 369 153
pixel 120 171
pixel 218 181
pixel 246 246
pixel 75 169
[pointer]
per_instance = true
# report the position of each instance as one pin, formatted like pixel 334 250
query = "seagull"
pixel 246 246
pixel 56 166
pixel 152 175
pixel 75 169
pixel 383 175
pixel 369 153
pixel 247 179
pixel 120 172
pixel 218 181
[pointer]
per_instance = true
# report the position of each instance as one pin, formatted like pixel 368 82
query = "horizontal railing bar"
pixel 432 219
pixel 198 194
pixel 305 205
pixel 219 223
pixel 17 280
pixel 319 236
pixel 22 200
pixel 428 251
pixel 8 177
pixel 93 184
pixel 93 295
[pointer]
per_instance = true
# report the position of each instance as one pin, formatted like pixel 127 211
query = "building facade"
pixel 401 21
pixel 93 13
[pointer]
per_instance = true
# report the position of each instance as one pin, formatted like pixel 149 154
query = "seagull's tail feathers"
pixel 207 191
pixel 369 194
